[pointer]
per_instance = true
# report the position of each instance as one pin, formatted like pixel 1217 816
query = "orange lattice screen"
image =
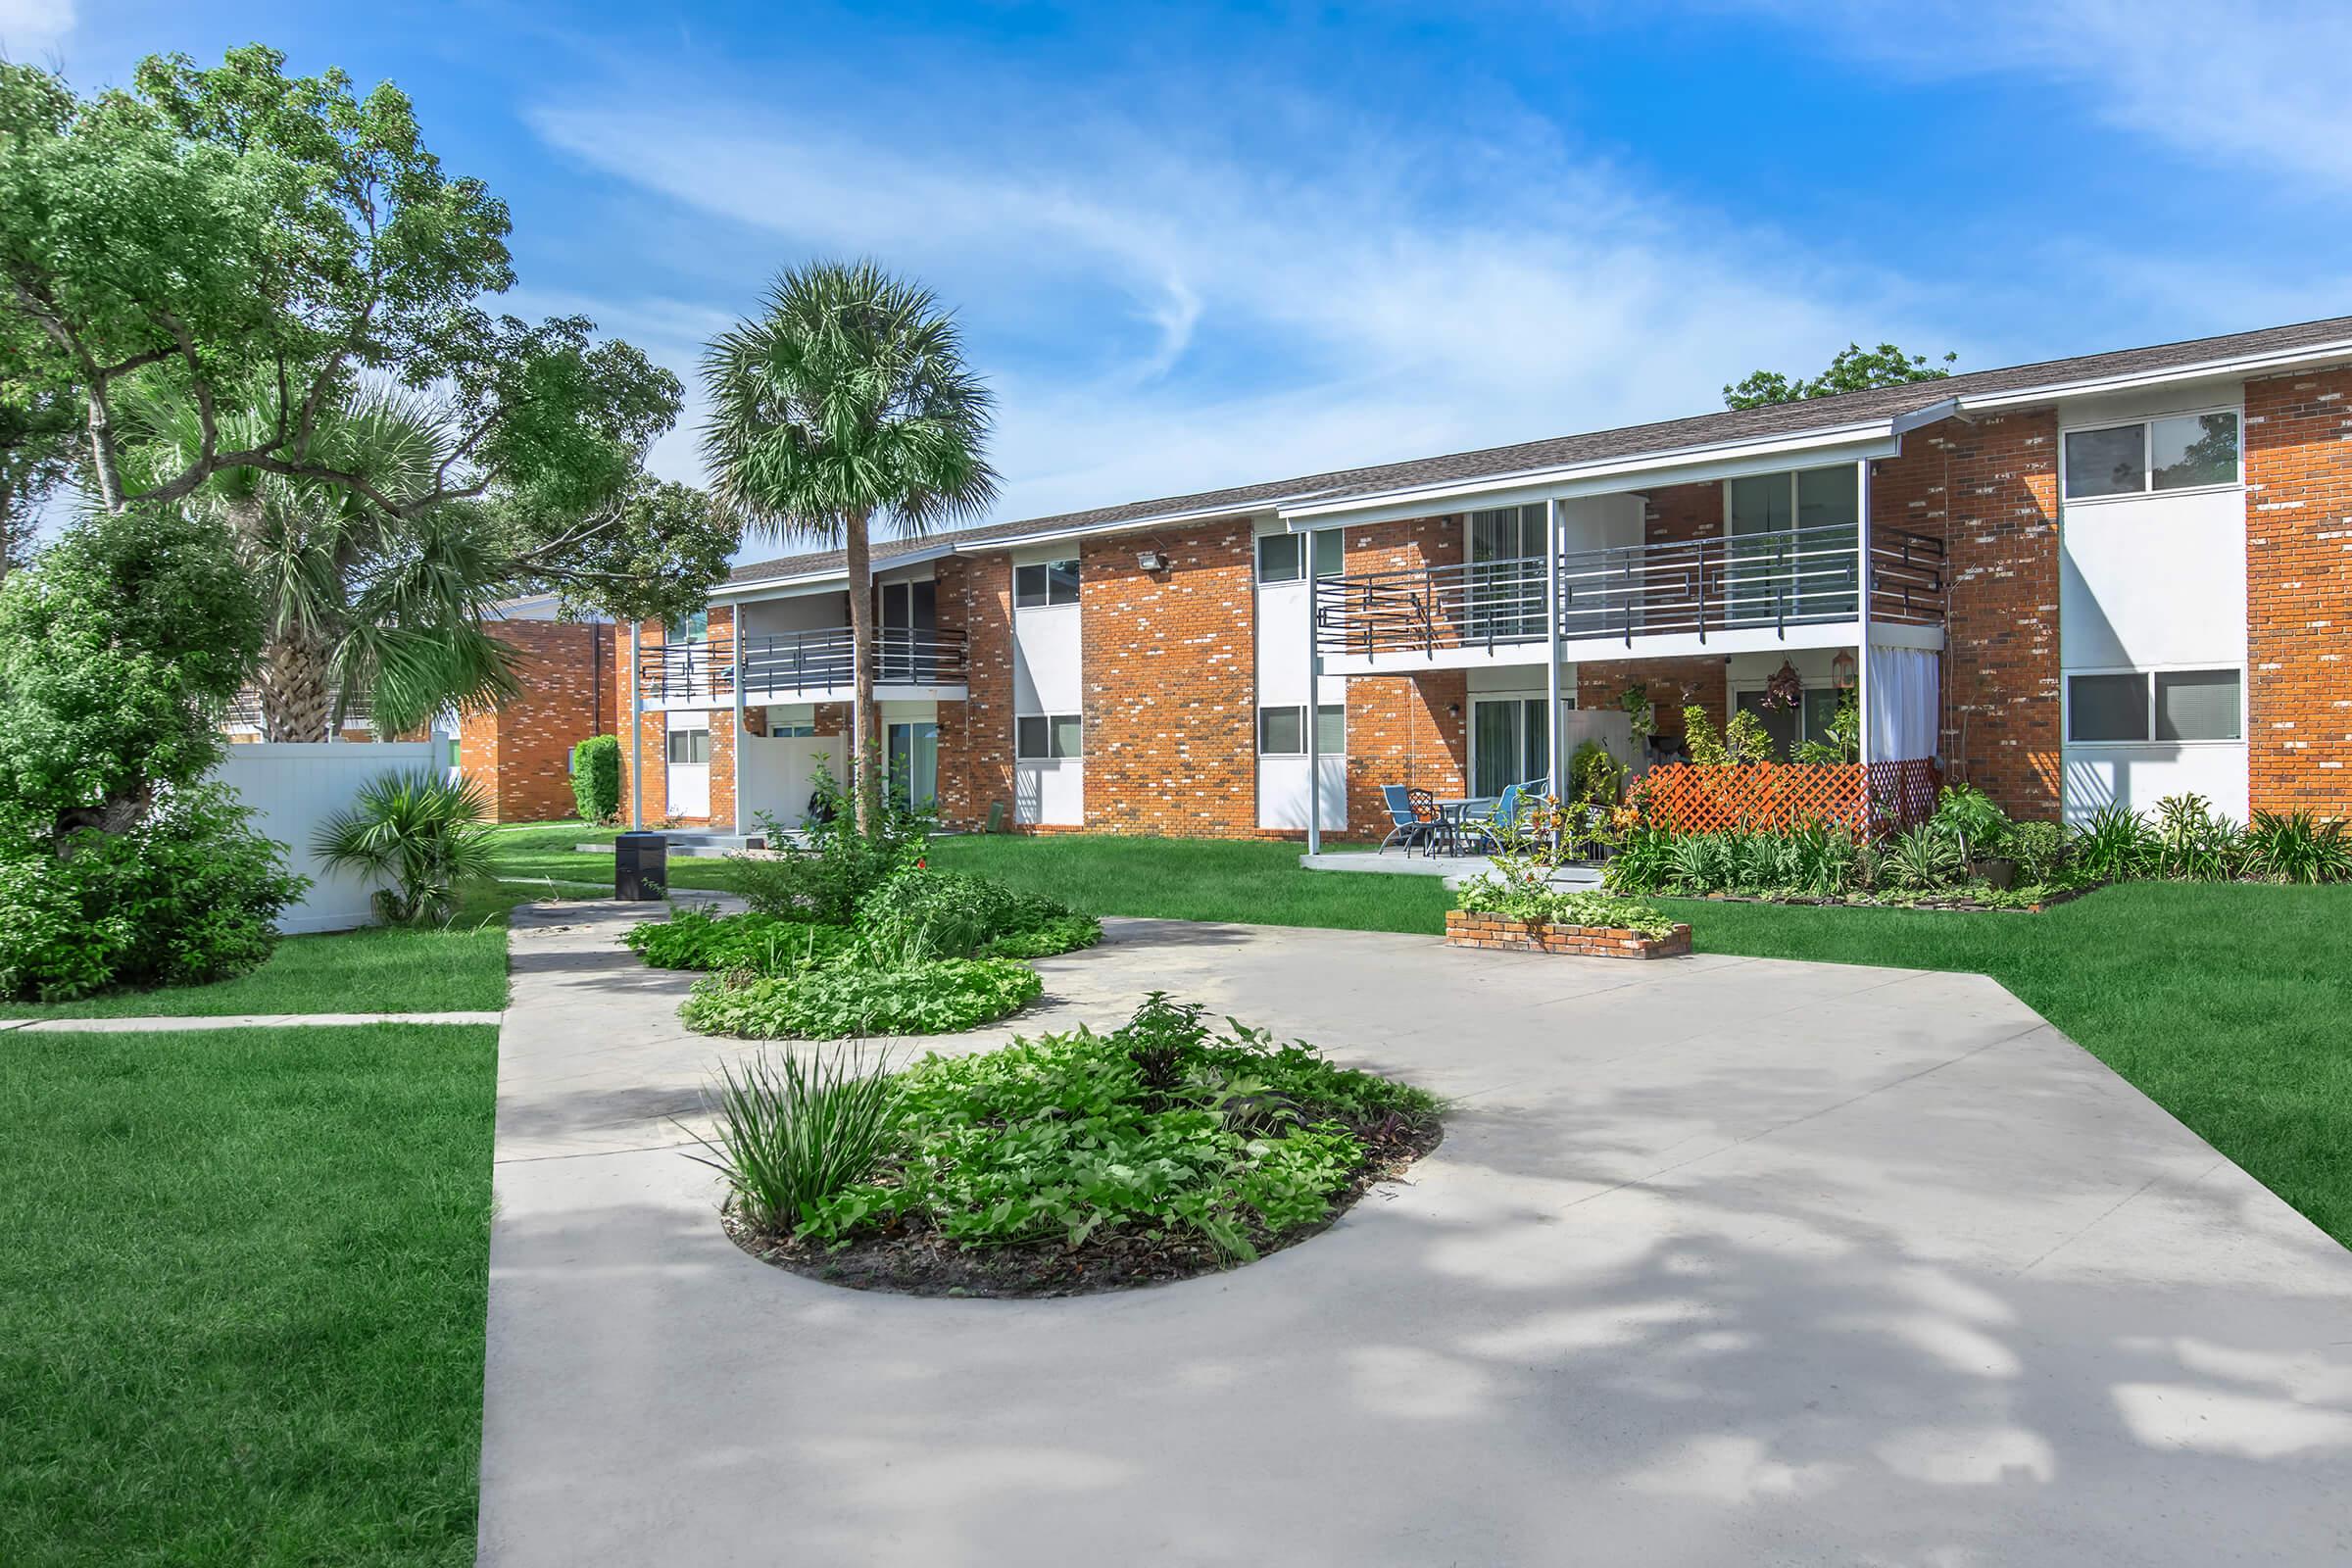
pixel 1689 799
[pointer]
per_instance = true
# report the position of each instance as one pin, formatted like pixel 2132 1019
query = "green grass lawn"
pixel 459 969
pixel 241 1305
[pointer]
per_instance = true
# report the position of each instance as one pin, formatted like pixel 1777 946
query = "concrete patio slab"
pixel 1722 1261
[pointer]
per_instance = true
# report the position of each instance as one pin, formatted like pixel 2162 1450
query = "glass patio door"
pixel 910 769
pixel 1510 743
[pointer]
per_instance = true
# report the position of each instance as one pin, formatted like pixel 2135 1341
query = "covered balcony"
pixel 807 666
pixel 1730 593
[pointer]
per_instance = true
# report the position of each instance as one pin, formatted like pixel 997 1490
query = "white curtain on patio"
pixel 1903 707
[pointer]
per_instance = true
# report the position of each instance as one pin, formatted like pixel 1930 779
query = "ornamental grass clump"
pixel 794 1128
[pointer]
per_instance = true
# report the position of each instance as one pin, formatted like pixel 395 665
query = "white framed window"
pixel 2168 706
pixel 689 747
pixel 2197 451
pixel 1044 583
pixel 1283 556
pixel 1281 730
pixel 1047 737
pixel 789 721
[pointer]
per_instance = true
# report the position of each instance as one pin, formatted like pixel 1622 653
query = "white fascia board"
pixel 1691 465
pixel 816 581
pixel 2245 366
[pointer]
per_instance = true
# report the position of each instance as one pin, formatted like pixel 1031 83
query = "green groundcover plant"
pixel 846 1000
pixel 1158 1128
pixel 1487 894
pixel 696 938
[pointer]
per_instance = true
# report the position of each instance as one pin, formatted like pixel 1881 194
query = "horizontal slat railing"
pixel 799 661
pixel 1793 577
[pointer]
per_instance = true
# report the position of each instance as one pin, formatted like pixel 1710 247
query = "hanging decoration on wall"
pixel 1841 669
pixel 1785 688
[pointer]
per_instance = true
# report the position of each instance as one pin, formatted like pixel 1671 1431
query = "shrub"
pixel 1969 818
pixel 1059 1138
pixel 1485 895
pixel 1822 861
pixel 1595 776
pixel 1062 933
pixel 794 1129
pixel 2116 845
pixel 595 778
pixel 419 830
pixel 1643 862
pixel 118 865
pixel 922 914
pixel 840 1002
pixel 697 939
pixel 185 897
pixel 2040 850
pixel 1922 858
pixel 2194 842
pixel 1745 739
pixel 831 873
pixel 2296 847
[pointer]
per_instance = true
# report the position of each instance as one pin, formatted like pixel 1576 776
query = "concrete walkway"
pixel 240 1020
pixel 1722 1261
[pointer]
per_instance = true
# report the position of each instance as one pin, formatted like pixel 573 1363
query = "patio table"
pixel 1453 817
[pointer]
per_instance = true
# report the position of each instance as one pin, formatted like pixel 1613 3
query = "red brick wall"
pixel 1672 683
pixel 521 752
pixel 2299 593
pixel 1675 513
pixel 975 735
pixel 2000 663
pixel 1167 662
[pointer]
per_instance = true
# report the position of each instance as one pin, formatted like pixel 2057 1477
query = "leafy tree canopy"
pixel 1854 369
pixel 261 246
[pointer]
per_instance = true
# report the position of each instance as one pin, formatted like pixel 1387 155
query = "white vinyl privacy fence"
pixel 292 789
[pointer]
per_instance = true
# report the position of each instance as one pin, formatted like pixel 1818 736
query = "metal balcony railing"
pixel 1793 577
pixel 789 662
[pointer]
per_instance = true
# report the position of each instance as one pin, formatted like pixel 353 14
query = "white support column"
pixel 735 740
pixel 1552 651
pixel 1862 607
pixel 636 733
pixel 1314 710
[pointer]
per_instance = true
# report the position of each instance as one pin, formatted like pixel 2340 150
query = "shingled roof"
pixel 1729 427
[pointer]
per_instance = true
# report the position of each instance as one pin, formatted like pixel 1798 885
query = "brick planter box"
pixel 1466 930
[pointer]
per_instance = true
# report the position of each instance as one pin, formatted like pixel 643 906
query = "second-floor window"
pixel 2178 452
pixel 693 628
pixel 1281 557
pixel 1044 582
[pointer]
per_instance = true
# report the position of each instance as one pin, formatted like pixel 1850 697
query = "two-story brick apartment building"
pixel 2105 578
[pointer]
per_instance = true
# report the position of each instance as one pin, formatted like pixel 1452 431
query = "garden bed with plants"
pixel 1060 1165
pixel 856 936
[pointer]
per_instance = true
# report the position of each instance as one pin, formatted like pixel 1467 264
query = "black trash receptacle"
pixel 639 866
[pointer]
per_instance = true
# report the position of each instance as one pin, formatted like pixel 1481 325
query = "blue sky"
pixel 1203 245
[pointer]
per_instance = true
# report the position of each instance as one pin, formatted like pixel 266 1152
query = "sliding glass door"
pixel 1510 743
pixel 1506 574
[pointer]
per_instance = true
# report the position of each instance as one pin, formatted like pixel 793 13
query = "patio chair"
pixel 1412 816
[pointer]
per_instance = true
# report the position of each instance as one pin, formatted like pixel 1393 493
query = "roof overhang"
pixel 1876 438
pixel 2239 367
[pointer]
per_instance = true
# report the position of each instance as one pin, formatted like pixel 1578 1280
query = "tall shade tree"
pixel 260 246
pixel 846 401
pixel 1853 369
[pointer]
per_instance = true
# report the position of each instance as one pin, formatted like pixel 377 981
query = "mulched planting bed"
pixel 918 1261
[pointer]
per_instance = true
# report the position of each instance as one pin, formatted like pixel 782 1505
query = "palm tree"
pixel 360 600
pixel 845 400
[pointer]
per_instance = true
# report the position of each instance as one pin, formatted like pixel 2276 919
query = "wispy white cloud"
pixel 2256 87
pixel 1160 318
pixel 27 27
